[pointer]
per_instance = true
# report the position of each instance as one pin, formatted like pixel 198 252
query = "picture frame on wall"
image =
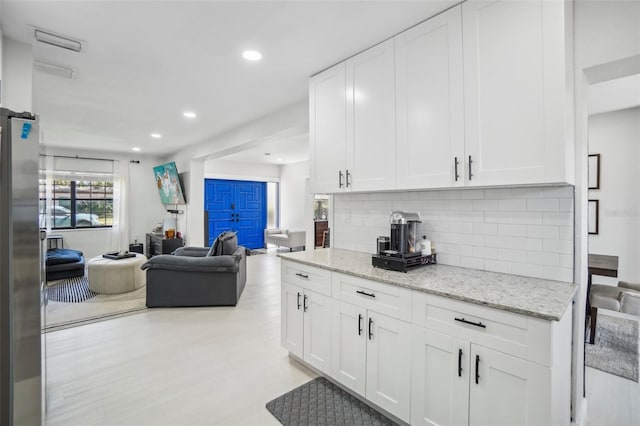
pixel 593 214
pixel 594 171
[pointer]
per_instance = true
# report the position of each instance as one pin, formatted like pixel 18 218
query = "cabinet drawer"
pixel 518 335
pixel 309 277
pixel 383 298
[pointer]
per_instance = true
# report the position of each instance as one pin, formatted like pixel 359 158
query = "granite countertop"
pixel 534 297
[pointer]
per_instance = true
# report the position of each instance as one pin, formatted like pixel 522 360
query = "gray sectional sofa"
pixel 190 277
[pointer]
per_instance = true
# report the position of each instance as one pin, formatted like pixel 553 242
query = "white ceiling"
pixel 145 62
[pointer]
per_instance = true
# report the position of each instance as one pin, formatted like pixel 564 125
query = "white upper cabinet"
pixel 429 103
pixel 327 129
pixel 516 95
pixel 371 119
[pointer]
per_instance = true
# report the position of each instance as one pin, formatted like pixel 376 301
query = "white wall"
pixel 294 214
pixel 616 137
pixel 17 75
pixel 223 169
pixel 144 212
pixel 522 231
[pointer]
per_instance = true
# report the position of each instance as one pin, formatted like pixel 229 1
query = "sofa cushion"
pixel 212 249
pixel 61 256
pixel 226 243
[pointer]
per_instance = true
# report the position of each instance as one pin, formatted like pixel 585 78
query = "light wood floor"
pixel 213 366
pixel 192 366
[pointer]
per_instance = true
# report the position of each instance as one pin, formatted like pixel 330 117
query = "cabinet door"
pixel 389 364
pixel 371 131
pixel 317 330
pixel 327 128
pixel 514 91
pixel 508 390
pixel 440 379
pixel 429 96
pixel 349 346
pixel 292 319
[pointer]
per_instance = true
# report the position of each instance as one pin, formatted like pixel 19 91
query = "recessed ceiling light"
pixel 135 148
pixel 252 55
pixel 189 114
pixel 279 159
pixel 156 135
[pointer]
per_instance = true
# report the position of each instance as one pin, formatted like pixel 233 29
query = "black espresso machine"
pixel 403 250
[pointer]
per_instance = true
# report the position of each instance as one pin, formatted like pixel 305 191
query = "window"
pixel 77 204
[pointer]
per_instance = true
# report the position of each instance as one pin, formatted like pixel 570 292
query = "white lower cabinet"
pixel 372 356
pixel 426 359
pixel 455 382
pixel 307 326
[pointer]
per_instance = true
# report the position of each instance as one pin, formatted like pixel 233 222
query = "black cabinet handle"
pixel 470 162
pixel 477 324
pixel 348 175
pixel 359 324
pixel 298 301
pixel 339 178
pixel 304 303
pixel 364 293
pixel 302 275
pixel 456 162
pixel 459 362
pixel 477 365
pixel 370 331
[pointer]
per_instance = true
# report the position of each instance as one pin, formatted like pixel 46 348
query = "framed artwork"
pixel 593 214
pixel 594 171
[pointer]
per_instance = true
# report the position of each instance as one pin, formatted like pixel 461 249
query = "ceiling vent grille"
pixel 58 41
pixel 57 70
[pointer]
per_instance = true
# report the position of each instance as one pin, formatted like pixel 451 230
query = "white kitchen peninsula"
pixel 436 345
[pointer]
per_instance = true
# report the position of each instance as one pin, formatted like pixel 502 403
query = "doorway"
pixel 236 205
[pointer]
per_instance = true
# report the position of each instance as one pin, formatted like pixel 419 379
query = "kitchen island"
pixel 436 345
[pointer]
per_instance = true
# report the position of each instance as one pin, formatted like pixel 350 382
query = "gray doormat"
pixel 320 402
pixel 615 349
pixel 71 290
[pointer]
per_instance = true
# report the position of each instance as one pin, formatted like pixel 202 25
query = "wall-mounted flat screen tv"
pixel 168 182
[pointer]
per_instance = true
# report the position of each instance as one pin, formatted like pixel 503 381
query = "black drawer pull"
pixel 459 362
pixel 304 303
pixel 364 293
pixel 298 301
pixel 370 331
pixel 477 324
pixel 477 366
pixel 359 324
pixel 302 275
pixel 455 163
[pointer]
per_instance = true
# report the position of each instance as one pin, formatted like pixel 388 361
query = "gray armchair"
pixel 191 278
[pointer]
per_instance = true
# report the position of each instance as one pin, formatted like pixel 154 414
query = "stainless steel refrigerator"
pixel 20 270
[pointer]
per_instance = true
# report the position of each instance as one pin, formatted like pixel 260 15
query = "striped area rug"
pixel 71 290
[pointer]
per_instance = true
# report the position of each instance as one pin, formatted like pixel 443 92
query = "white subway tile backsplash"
pixel 485 228
pixel 543 205
pixel 506 230
pixel 559 219
pixel 512 205
pixel 526 218
pixel 498 194
pixel 524 231
pixel 485 205
pixel 497 217
pixel 471 262
pixel 542 231
pixel 498 242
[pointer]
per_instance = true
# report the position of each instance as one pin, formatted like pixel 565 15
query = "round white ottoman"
pixel 110 276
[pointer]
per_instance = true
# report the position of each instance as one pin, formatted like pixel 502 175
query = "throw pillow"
pixel 226 243
pixel 212 249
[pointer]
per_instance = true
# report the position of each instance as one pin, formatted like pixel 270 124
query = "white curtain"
pixel 120 228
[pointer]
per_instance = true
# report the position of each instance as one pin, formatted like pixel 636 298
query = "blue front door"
pixel 239 206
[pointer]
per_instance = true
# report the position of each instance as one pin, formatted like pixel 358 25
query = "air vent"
pixel 58 41
pixel 57 70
